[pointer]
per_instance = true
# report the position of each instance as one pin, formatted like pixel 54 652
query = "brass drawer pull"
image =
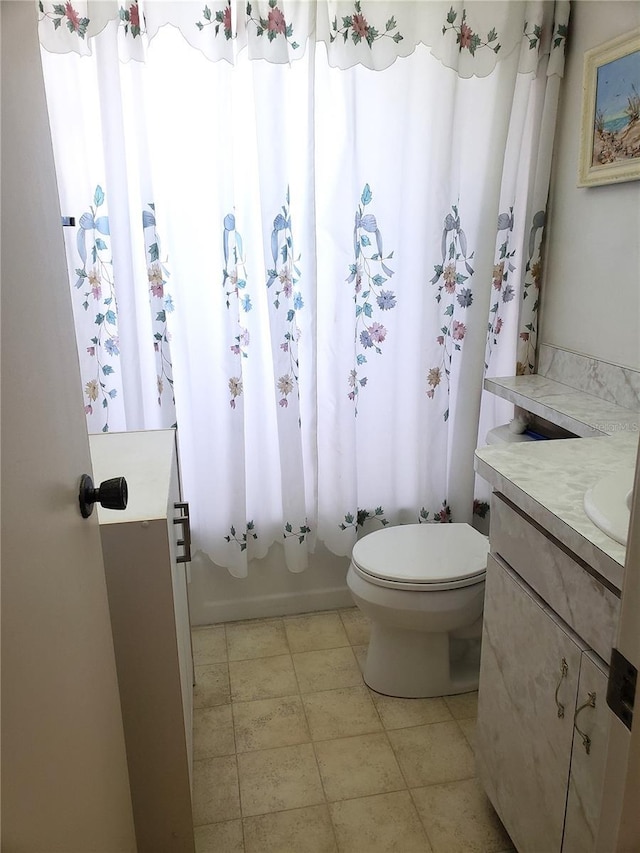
pixel 590 703
pixel 564 669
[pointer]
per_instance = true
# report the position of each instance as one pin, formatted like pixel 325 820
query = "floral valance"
pixel 471 37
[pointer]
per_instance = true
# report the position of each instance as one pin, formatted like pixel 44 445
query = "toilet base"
pixel 418 664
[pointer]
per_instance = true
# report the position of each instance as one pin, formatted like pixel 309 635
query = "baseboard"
pixel 263 606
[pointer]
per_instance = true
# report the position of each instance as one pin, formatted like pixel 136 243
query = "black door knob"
pixel 111 494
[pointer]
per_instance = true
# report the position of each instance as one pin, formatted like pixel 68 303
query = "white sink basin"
pixel 608 504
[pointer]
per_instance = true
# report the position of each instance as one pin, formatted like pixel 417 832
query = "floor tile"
pixel 326 670
pixel 361 655
pixel 341 713
pixel 459 818
pixel 215 790
pixel 212 685
pixel 266 678
pixel 260 638
pixel 435 753
pixel 268 723
pixel 387 823
pixel 209 645
pixel 402 713
pixel 313 631
pixel 464 706
pixel 213 732
pixel 306 830
pixel 358 766
pixel 277 779
pixel 357 626
pixel 265 688
pixel 225 837
pixel 469 731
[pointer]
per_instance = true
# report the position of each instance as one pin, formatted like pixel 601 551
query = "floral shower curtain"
pixel 307 255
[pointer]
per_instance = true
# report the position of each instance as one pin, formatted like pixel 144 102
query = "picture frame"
pixel 610 132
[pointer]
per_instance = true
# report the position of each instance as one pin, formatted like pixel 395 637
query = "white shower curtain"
pixel 308 255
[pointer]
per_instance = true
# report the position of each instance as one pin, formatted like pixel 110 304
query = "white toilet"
pixel 422 587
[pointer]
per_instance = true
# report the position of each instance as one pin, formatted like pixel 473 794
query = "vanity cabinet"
pixel 144 558
pixel 541 731
pixel 588 757
pixel 529 686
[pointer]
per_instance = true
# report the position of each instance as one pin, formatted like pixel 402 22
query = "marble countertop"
pixel 547 480
pixel 576 411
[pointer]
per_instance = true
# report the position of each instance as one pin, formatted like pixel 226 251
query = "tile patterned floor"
pixel 293 753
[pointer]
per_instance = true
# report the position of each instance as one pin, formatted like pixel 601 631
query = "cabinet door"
pixel 588 758
pixel 528 687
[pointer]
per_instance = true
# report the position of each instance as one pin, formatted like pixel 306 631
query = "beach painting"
pixel 611 112
pixel 617 120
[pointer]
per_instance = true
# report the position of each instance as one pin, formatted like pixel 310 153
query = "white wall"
pixel 591 298
pixel 269 590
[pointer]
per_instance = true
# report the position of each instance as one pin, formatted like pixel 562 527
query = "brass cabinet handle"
pixel 590 703
pixel 564 669
pixel 186 531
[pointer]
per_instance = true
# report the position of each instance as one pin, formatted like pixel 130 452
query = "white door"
pixel 65 786
pixel 619 822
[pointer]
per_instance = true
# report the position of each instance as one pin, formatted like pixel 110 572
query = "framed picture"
pixel 610 137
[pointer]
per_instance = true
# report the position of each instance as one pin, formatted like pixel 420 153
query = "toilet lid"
pixel 423 554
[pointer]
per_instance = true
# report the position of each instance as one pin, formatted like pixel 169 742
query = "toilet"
pixel 422 587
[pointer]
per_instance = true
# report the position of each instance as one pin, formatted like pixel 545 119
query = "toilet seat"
pixel 422 557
